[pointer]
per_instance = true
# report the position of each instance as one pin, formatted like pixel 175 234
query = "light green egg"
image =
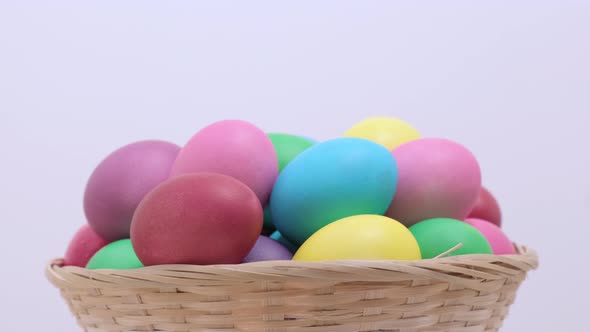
pixel 288 147
pixel 436 236
pixel 118 255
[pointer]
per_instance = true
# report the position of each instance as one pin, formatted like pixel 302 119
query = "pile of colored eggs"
pixel 235 194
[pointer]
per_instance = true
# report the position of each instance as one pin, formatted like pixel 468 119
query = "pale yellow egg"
pixel 389 132
pixel 361 237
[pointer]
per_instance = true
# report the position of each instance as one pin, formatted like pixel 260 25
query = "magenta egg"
pixel 500 243
pixel 234 148
pixel 437 178
pixel 267 249
pixel 120 182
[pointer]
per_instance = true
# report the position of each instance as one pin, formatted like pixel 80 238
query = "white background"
pixel 510 80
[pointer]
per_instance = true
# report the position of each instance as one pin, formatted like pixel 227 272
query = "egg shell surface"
pixel 118 255
pixel 267 249
pixel 83 246
pixel 288 147
pixel 387 131
pixel 362 237
pixel 235 148
pixel 436 236
pixel 120 182
pixel 197 218
pixel 437 178
pixel 500 243
pixel 487 208
pixel 330 181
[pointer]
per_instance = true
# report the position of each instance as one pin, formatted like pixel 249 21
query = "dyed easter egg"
pixel 83 246
pixel 197 218
pixel 267 249
pixel 437 178
pixel 288 147
pixel 235 148
pixel 487 208
pixel 362 237
pixel 118 255
pixel 436 236
pixel 389 132
pixel 120 182
pixel 500 243
pixel 330 181
pixel 277 236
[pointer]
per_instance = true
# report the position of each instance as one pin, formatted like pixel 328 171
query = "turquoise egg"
pixel 287 147
pixel 332 180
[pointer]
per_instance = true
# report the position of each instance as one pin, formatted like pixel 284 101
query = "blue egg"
pixel 332 180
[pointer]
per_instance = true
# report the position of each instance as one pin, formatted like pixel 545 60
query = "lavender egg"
pixel 120 182
pixel 267 249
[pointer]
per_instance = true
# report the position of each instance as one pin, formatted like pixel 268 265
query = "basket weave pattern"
pixel 470 293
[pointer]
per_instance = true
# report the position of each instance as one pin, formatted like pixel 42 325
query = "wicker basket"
pixel 461 294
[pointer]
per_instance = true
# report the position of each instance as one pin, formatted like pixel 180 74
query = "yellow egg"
pixel 389 132
pixel 361 237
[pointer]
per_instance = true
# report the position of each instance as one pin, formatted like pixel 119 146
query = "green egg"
pixel 435 236
pixel 118 255
pixel 288 147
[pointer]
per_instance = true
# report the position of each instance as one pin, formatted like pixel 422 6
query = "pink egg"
pixel 120 182
pixel 500 243
pixel 437 178
pixel 235 148
pixel 83 246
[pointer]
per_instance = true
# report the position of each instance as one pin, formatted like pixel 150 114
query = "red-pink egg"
pixel 500 243
pixel 487 208
pixel 198 218
pixel 83 246
pixel 437 178
pixel 120 182
pixel 235 148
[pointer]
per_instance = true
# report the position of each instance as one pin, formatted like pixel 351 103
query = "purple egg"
pixel 120 182
pixel 267 249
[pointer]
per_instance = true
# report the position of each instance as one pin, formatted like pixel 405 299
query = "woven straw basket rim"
pixel 464 269
pixel 468 293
